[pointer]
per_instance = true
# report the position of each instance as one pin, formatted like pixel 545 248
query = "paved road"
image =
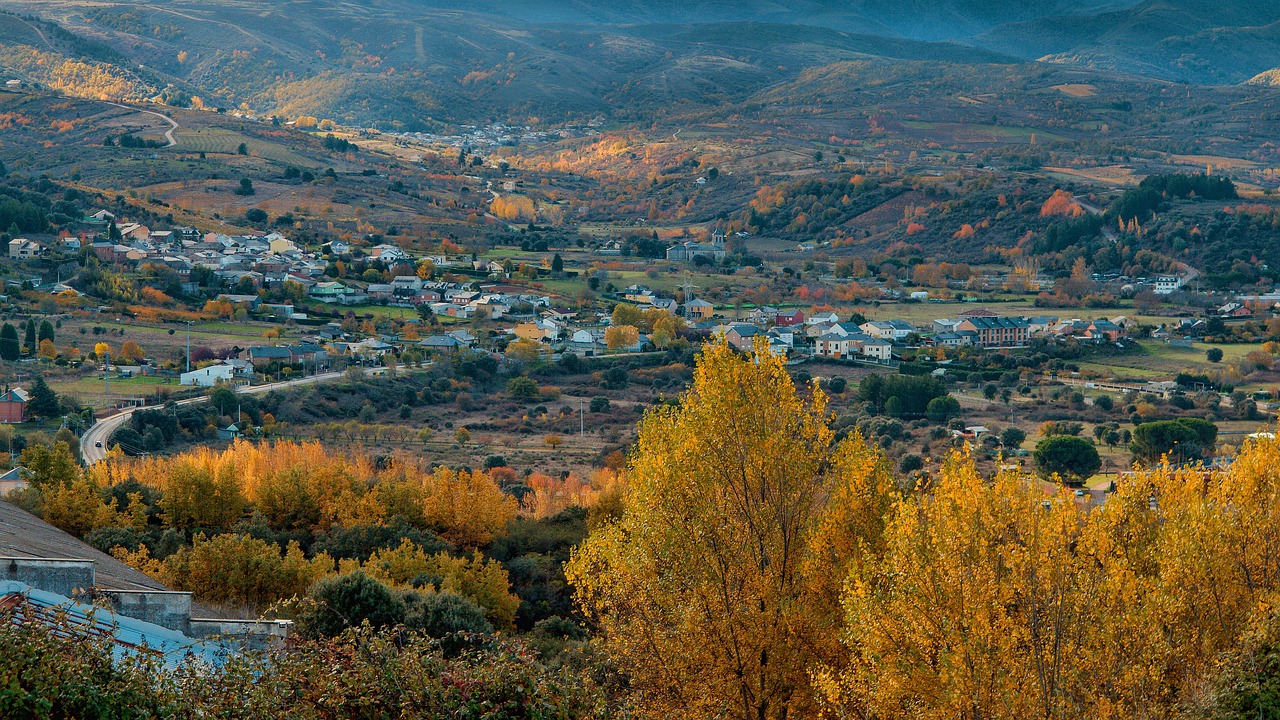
pixel 93 444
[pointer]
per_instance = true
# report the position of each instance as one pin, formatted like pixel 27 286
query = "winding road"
pixel 93 444
pixel 168 134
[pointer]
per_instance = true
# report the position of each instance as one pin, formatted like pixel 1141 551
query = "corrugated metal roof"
pixel 25 535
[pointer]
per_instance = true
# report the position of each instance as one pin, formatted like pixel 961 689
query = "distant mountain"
pixel 413 65
pixel 916 19
pixel 1224 42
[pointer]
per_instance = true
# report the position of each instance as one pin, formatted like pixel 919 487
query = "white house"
pixel 1166 285
pixel 208 376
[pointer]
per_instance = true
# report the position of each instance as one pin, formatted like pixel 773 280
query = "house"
pixel 265 355
pixel 878 349
pixel 951 339
pixel 893 330
pixel 764 315
pixel 944 325
pixel 1167 284
pixel 441 343
pixel 380 291
pixel 698 309
pixel 667 304
pixel 997 331
pixel 207 376
pixel 329 291
pixel 586 343
pixel 23 249
pixel 388 253
pixel 821 318
pixel 12 480
pixel 13 405
pixel 538 331
pixel 743 336
pixel 690 251
pixel 1104 330
pixel 789 319
pixel 638 294
pixel 1234 310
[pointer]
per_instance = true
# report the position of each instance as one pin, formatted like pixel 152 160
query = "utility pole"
pixel 188 346
pixel 582 420
pixel 106 375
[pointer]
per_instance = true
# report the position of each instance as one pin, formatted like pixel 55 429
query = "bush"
pixel 348 601
pixel 522 388
pixel 1104 402
pixel 440 614
pixel 1213 355
pixel 599 404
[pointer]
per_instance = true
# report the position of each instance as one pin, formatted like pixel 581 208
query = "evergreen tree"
pixel 46 331
pixel 557 265
pixel 9 348
pixel 44 401
pixel 30 341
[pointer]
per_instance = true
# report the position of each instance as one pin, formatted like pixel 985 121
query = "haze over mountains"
pixel 414 64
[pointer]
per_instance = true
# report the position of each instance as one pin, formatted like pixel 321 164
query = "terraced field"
pixel 208 140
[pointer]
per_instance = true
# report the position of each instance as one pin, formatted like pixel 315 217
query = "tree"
pixel 29 343
pixel 101 350
pixel 46 331
pixel 246 187
pixel 942 409
pixel 1012 437
pixel 243 149
pixel 48 351
pixel 621 337
pixel 726 565
pixel 1183 439
pixel 599 404
pixel 522 388
pixel 527 352
pixel 557 264
pixel 130 351
pixel 553 441
pixel 1213 355
pixel 1071 458
pixel 10 349
pixel 44 401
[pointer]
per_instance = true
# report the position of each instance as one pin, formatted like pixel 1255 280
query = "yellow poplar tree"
pixel 717 588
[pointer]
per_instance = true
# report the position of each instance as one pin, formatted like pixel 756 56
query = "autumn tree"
pixel 621 337
pixel 727 561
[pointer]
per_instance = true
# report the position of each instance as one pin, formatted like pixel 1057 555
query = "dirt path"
pixel 168 134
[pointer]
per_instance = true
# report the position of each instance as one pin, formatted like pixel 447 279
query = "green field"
pixel 228 142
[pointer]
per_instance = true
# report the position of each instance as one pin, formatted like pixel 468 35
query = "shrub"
pixel 522 388
pixel 348 601
pixel 440 614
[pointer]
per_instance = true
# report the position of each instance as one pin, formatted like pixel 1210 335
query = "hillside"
pixel 1180 40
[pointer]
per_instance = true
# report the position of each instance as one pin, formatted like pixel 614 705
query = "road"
pixel 93 444
pixel 168 134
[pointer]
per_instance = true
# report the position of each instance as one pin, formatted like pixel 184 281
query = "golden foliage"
pixel 303 486
pixel 725 564
pixel 996 600
pixel 483 581
pixel 1061 204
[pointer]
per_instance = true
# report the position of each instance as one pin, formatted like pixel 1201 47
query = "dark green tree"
pixel 44 401
pixel 9 347
pixel 29 342
pixel 1213 354
pixel 1074 459
pixel 557 264
pixel 46 331
pixel 942 409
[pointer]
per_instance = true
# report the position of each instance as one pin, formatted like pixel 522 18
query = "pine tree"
pixel 9 348
pixel 46 330
pixel 557 265
pixel 30 342
pixel 44 401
